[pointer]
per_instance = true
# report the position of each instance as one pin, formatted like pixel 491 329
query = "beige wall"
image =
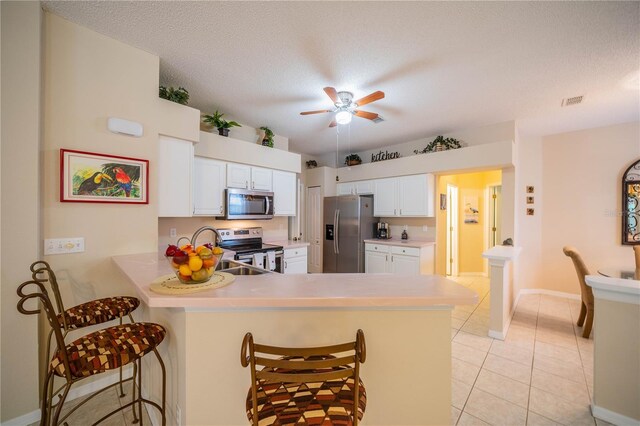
pixel 581 176
pixel 21 233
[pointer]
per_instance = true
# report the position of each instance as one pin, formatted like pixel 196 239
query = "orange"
pixel 195 263
pixel 208 263
pixel 185 270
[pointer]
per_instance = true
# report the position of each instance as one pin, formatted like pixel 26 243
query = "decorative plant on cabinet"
pixel 179 95
pixel 440 143
pixel 352 160
pixel 221 124
pixel 267 140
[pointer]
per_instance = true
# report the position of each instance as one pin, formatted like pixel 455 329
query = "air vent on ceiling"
pixel 378 119
pixel 572 101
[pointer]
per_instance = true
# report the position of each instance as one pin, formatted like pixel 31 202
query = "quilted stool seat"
pixel 99 311
pixel 108 349
pixel 316 403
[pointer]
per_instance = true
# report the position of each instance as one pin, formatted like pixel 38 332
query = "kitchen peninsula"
pixel 406 321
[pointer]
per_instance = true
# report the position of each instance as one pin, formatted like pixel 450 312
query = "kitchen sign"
pixel 386 155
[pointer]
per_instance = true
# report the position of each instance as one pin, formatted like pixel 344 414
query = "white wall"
pixel 20 232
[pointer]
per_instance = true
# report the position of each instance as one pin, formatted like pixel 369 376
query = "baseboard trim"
pixel 74 393
pixel 571 296
pixel 472 274
pixel 612 416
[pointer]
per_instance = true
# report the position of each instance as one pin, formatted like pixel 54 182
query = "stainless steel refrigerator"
pixel 348 220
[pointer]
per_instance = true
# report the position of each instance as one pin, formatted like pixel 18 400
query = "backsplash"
pixel 414 227
pixel 273 230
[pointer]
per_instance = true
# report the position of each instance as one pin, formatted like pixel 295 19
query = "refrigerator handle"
pixel 336 227
pixel 335 212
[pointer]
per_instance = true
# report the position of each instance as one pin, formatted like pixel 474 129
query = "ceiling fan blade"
pixel 315 112
pixel 332 93
pixel 333 123
pixel 365 114
pixel 375 96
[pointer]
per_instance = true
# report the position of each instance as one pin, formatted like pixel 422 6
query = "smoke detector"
pixel 571 101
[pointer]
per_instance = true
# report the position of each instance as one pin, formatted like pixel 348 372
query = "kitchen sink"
pixel 238 268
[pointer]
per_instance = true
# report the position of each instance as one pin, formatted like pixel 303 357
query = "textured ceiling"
pixel 444 66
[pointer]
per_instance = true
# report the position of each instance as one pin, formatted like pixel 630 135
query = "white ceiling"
pixel 444 66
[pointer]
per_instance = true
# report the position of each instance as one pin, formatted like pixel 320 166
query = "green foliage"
pixel 440 143
pixel 216 120
pixel 352 158
pixel 268 136
pixel 179 95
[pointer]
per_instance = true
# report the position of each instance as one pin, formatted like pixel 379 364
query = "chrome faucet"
pixel 217 238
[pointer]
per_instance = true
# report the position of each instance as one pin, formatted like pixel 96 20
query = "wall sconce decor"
pixel 631 204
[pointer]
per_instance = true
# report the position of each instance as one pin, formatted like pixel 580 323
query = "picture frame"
pixel 529 200
pixel 443 201
pixel 89 177
pixel 530 189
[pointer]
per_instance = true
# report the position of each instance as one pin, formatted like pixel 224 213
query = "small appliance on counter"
pixel 382 231
pixel 405 236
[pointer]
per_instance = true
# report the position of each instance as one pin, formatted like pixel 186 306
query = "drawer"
pixel 407 251
pixel 380 248
pixel 297 252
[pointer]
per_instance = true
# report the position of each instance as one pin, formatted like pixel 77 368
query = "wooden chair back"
pixel 304 365
pixel 582 271
pixel 38 291
pixel 636 251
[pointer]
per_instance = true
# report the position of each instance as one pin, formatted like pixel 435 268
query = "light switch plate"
pixel 63 245
pixel 425 228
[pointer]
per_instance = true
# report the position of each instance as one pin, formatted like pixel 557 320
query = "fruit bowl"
pixel 193 265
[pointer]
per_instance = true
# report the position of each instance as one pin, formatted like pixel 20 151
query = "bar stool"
pixel 86 314
pixel 305 385
pixel 94 353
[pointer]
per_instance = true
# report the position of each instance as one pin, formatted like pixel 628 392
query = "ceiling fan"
pixel 346 107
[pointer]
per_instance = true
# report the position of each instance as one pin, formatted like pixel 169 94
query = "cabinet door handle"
pixel 246 184
pixel 285 264
pixel 220 209
pixel 400 212
pixel 394 212
pixel 392 258
pixel 386 257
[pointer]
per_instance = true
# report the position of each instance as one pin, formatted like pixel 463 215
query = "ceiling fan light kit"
pixel 346 108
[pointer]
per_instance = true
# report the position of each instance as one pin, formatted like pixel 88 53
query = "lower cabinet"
pixel 295 261
pixel 382 258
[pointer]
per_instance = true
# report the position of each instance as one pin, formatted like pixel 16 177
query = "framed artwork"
pixel 88 177
pixel 529 200
pixel 443 201
pixel 471 212
pixel 631 205
pixel 530 189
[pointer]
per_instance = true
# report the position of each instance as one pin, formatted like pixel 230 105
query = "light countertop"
pixel 326 291
pixel 289 244
pixel 401 242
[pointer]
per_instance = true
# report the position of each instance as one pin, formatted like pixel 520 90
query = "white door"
pixel 284 193
pixel 261 179
pixel 296 265
pixel 413 195
pixel 314 228
pixel 405 265
pixel 238 176
pixel 175 169
pixel 452 230
pixel 209 182
pixel 375 262
pixel 385 197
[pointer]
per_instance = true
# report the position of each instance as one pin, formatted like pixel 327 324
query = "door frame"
pixel 488 209
pixel 452 231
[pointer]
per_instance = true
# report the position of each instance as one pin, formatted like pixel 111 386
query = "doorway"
pixel 314 230
pixel 494 203
pixel 452 231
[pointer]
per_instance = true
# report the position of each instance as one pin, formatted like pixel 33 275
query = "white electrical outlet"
pixel 178 415
pixel 172 232
pixel 425 228
pixel 63 245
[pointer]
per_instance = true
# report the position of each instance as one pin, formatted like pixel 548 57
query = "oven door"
pixel 249 260
pixel 247 204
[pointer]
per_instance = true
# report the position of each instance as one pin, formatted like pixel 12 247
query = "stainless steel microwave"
pixel 248 204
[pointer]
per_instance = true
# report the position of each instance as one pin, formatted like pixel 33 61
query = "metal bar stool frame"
pixel 47 407
pixel 340 365
pixel 42 271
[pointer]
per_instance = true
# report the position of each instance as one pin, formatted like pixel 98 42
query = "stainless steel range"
pixel 249 248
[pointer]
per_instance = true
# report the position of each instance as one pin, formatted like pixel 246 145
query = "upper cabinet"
pixel 247 177
pixel 209 182
pixel 408 196
pixel 284 193
pixel 363 187
pixel 175 159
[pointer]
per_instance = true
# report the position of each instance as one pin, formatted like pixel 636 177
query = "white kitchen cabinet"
pixel 261 179
pixel 175 170
pixel 209 182
pixel 401 260
pixel 238 176
pixel 295 261
pixel 347 188
pixel 406 196
pixel 284 193
pixel 363 187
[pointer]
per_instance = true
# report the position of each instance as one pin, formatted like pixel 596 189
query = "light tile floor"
pixel 541 374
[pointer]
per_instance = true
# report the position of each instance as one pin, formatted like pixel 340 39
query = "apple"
pixel 208 245
pixel 171 250
pixel 180 257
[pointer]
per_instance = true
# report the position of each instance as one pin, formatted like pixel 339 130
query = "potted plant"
pixel 312 164
pixel 267 140
pixel 179 95
pixel 221 124
pixel 440 143
pixel 352 160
